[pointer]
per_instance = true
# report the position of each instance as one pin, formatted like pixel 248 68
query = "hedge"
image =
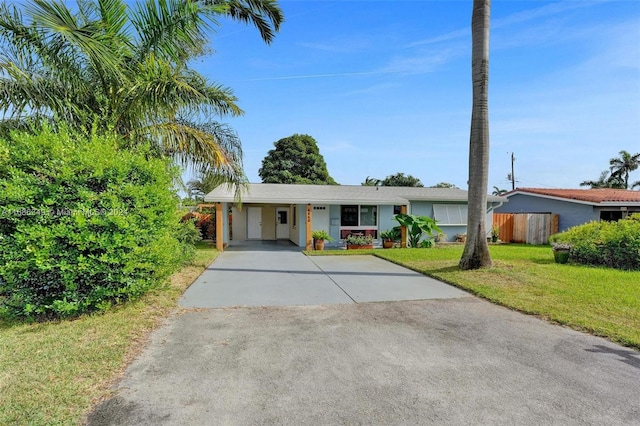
pixel 83 223
pixel 611 244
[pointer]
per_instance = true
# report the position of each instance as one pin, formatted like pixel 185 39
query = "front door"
pixel 320 217
pixel 254 223
pixel 282 223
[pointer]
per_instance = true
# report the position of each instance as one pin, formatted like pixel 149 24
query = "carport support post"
pixel 403 229
pixel 219 228
pixel 308 239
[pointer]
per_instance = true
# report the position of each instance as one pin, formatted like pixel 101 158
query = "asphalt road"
pixel 453 361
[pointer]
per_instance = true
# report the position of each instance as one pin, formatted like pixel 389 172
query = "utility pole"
pixel 511 176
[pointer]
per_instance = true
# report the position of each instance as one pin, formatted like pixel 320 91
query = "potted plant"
pixel 389 237
pixel 561 252
pixel 356 241
pixel 461 238
pixel 319 237
pixel 441 237
pixel 495 233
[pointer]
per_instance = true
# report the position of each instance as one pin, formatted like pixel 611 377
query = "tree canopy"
pixel 604 181
pixel 295 159
pixel 618 174
pixel 398 179
pixel 444 185
pixel 106 64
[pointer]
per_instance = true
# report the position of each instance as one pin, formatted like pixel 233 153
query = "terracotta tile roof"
pixel 601 195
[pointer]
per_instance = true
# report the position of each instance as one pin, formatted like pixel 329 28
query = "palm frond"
pixel 171 29
pixel 265 15
pixel 55 18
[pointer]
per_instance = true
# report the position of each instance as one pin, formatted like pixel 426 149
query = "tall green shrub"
pixel 612 244
pixel 83 224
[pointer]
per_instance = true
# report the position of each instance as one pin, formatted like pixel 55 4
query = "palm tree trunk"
pixel 476 251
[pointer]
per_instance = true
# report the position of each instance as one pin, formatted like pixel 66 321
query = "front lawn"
pixel 52 372
pixel 601 301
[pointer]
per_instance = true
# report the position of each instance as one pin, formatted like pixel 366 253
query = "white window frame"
pixel 450 214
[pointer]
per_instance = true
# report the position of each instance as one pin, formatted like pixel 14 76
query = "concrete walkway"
pixel 280 275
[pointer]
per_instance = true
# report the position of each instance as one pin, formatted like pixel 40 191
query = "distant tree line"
pixel 618 174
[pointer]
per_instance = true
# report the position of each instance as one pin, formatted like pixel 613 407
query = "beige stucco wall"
pixel 268 223
pixel 239 224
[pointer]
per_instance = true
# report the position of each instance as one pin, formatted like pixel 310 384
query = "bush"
pixel 204 222
pixel 612 244
pixel 83 224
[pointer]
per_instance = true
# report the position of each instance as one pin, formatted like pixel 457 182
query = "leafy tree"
pixel 476 250
pixel 295 159
pixel 621 166
pixel 498 191
pixel 399 179
pixel 106 64
pixel 444 185
pixel 635 185
pixel 605 181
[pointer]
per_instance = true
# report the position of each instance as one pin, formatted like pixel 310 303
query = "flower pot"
pixel 318 245
pixel 359 246
pixel 387 244
pixel 561 256
pixel 494 238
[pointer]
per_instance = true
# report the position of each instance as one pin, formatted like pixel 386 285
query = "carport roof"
pixel 272 193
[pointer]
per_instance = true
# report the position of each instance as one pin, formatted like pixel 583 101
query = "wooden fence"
pixel 530 228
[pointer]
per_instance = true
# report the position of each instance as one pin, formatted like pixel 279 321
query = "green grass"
pixel 600 301
pixel 52 372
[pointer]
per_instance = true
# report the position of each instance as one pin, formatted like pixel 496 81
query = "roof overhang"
pixel 340 194
pixel 573 200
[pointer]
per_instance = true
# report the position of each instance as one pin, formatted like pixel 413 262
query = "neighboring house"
pixel 573 206
pixel 291 212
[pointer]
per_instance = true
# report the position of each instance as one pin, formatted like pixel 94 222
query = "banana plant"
pixel 417 226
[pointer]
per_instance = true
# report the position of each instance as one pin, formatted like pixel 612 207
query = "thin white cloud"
pixel 339 46
pixel 339 74
pixel 516 18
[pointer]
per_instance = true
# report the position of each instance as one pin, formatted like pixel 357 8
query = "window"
pixel 353 215
pixel 282 217
pixel 397 209
pixel 450 214
pixel 295 215
pixel 349 215
pixel 368 215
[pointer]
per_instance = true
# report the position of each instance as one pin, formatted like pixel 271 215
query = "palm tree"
pixel 605 181
pixel 476 250
pixel 203 184
pixel 621 166
pixel 498 191
pixel 369 181
pixel 106 65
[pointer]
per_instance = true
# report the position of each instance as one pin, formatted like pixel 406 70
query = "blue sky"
pixel 385 87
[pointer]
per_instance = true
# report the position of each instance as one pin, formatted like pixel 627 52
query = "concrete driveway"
pixel 270 274
pixel 457 360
